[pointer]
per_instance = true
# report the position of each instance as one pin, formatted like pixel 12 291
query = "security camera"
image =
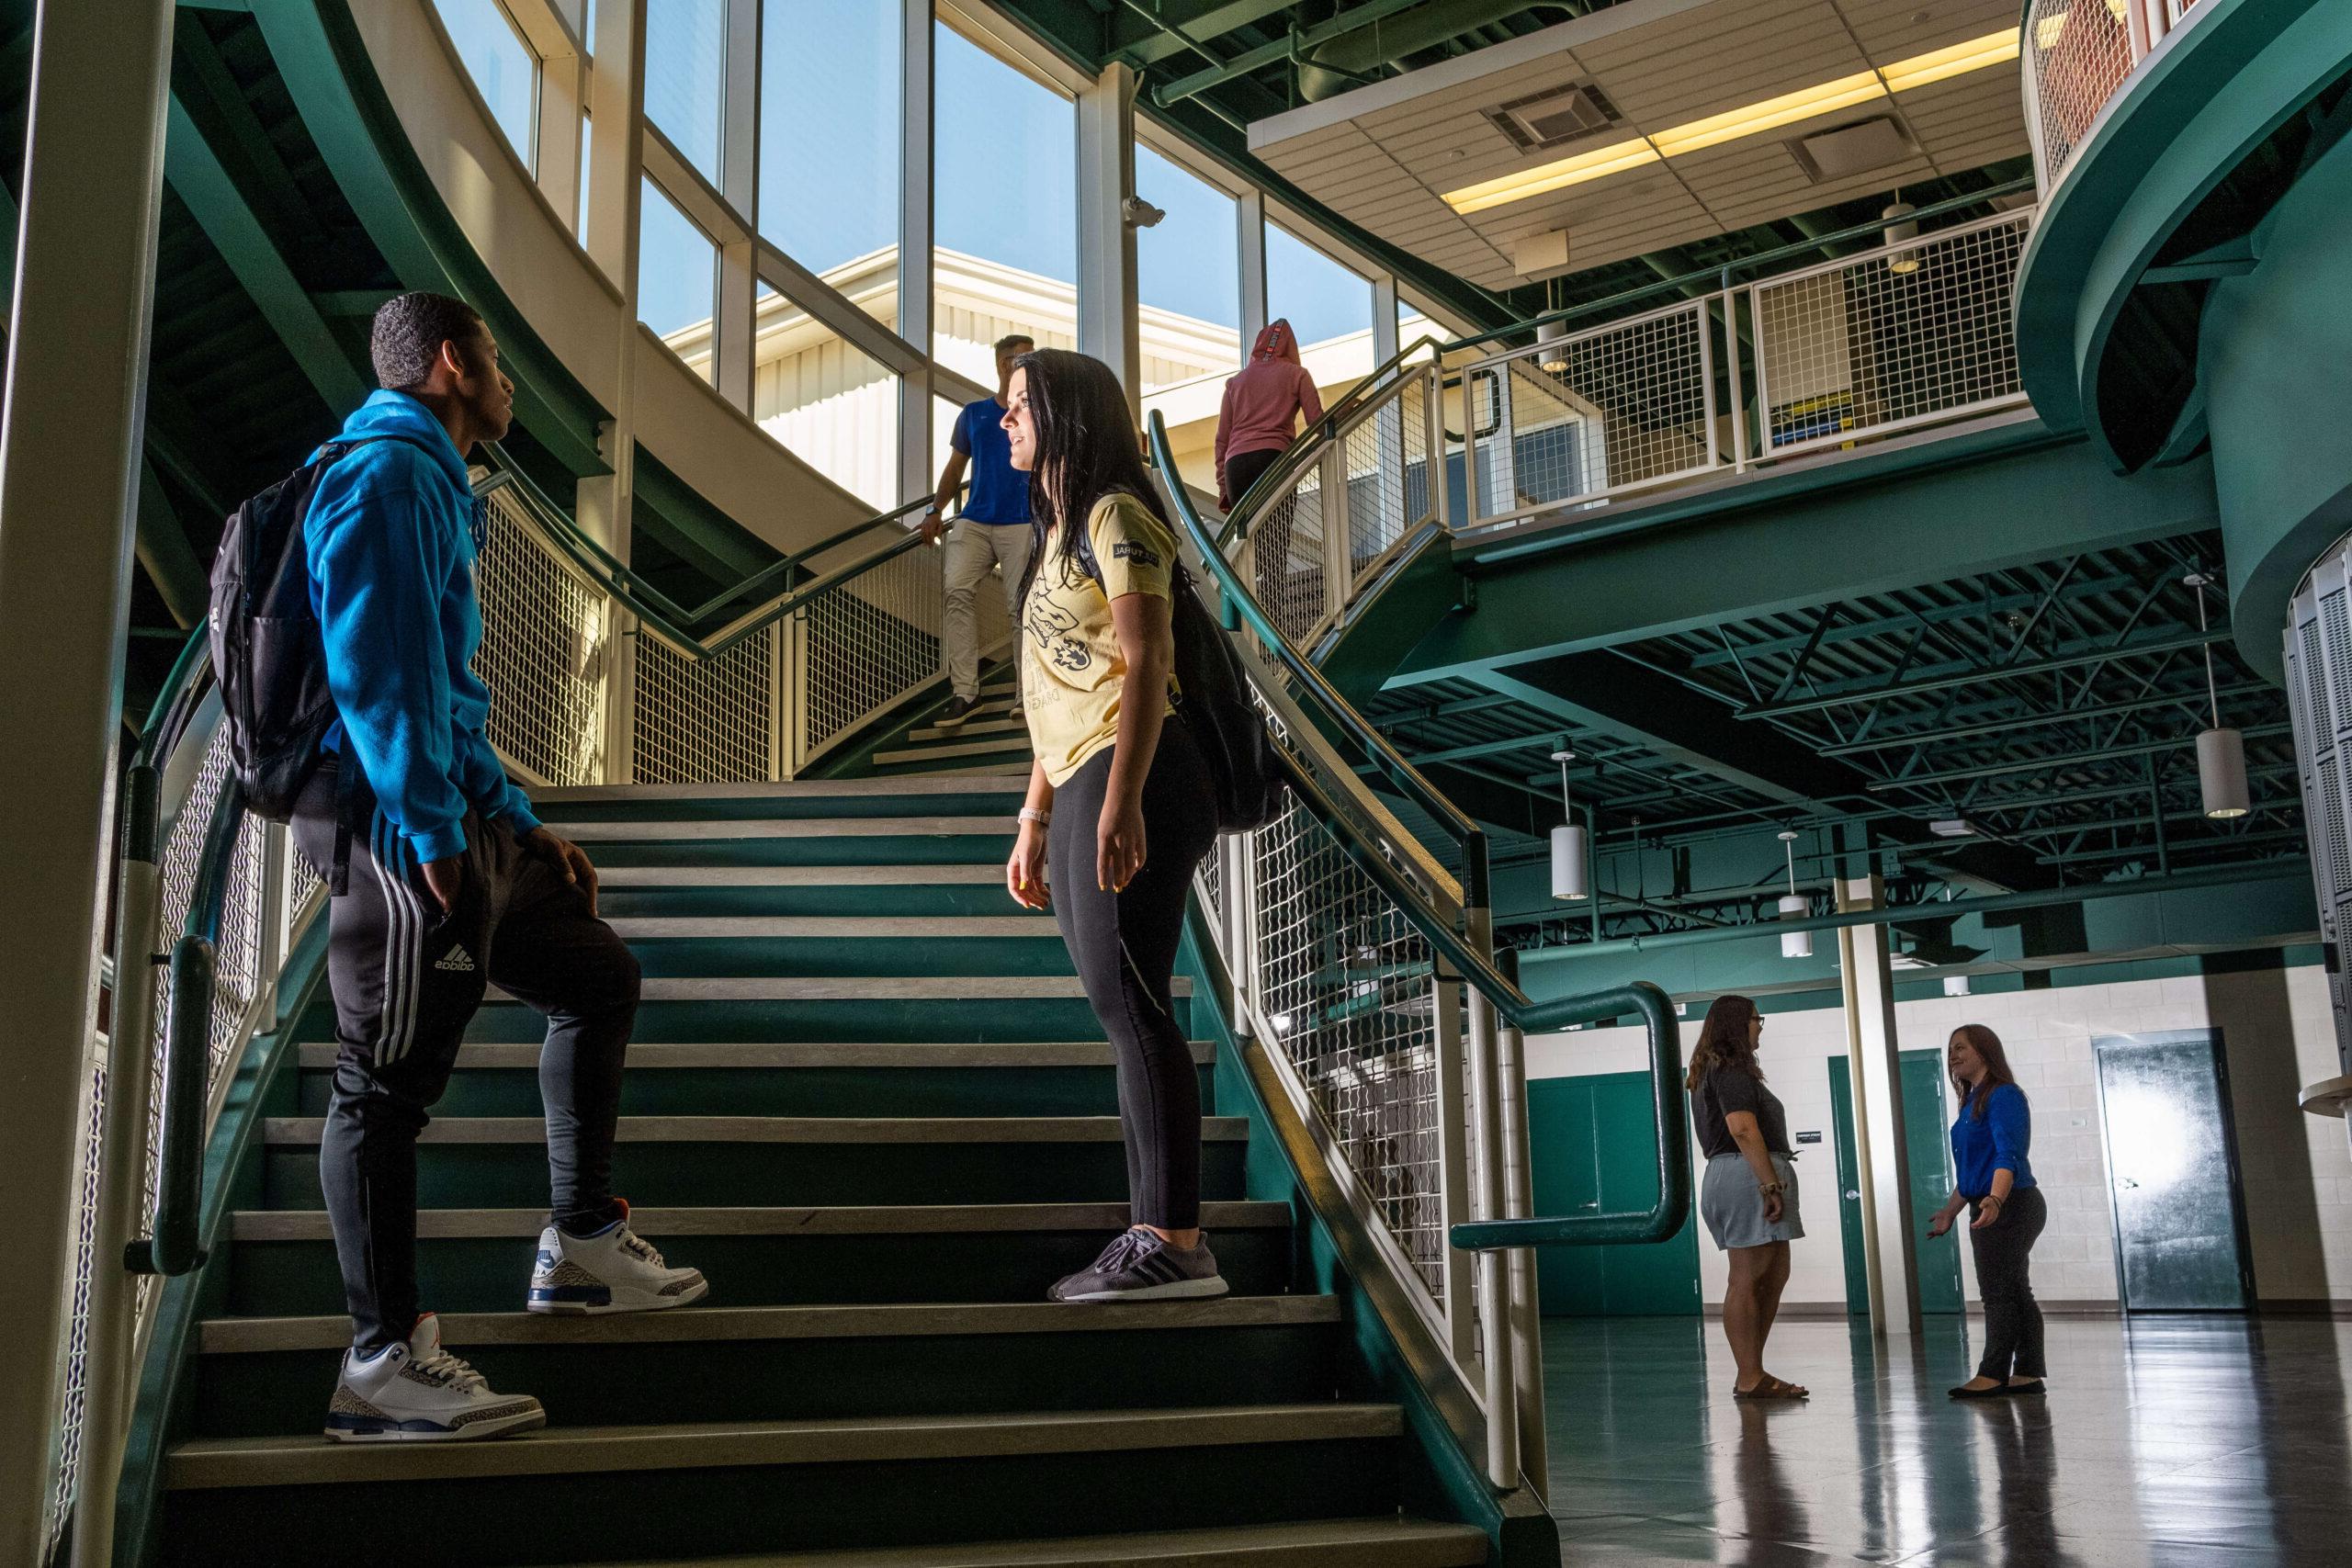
pixel 1139 213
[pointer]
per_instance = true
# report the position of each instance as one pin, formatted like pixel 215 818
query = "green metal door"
pixel 1593 1150
pixel 1926 1129
pixel 2172 1168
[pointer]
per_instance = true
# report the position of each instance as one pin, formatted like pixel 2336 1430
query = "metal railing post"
pixel 1526 1311
pixel 1455 1174
pixel 1495 1330
pixel 1732 377
pixel 1337 567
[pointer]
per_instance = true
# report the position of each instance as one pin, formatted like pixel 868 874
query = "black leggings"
pixel 1125 946
pixel 1273 527
pixel 2012 1317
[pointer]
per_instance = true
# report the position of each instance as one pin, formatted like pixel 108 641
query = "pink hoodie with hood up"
pixel 1262 400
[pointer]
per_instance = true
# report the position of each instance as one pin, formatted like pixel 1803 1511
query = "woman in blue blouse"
pixel 1997 1186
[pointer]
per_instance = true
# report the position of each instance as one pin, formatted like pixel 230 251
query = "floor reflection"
pixel 2216 1442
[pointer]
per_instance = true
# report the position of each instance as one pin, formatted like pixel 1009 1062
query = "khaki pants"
pixel 972 549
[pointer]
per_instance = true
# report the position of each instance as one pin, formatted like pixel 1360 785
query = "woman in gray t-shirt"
pixel 1749 1194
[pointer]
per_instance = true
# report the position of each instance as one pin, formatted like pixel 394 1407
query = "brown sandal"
pixel 1774 1388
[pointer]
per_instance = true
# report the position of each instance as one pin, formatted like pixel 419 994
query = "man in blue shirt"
pixel 992 531
pixel 443 883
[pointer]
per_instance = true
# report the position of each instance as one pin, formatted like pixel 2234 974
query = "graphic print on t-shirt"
pixel 1050 625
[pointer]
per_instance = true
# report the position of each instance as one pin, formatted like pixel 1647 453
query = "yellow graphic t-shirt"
pixel 1071 667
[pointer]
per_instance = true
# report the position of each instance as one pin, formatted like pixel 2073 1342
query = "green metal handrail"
pixel 1455 947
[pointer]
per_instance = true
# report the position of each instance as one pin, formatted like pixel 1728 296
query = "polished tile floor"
pixel 2189 1441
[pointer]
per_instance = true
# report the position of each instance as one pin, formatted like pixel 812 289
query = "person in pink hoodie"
pixel 1256 426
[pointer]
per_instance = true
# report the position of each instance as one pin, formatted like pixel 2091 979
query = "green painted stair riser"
pixel 794 1091
pixel 594 1516
pixel 908 901
pixel 1029 1018
pixel 491 1273
pixel 592 1384
pixel 912 849
pixel 980 800
pixel 669 1175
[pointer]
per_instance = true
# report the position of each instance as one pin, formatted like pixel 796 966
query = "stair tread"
pixel 1017 768
pixel 631 829
pixel 308 1460
pixel 298 1130
pixel 658 1056
pixel 981 875
pixel 1394 1542
pixel 789 789
pixel 972 728
pixel 852 988
pixel 661 1223
pixel 1017 740
pixel 860 927
pixel 236 1336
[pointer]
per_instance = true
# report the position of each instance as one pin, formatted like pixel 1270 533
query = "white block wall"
pixel 2295 1169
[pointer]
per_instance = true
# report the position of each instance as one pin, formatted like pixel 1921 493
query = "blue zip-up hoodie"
pixel 392 536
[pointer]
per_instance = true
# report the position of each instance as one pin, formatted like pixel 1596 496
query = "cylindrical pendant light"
pixel 1571 845
pixel 1555 357
pixel 2220 751
pixel 1795 944
pixel 1955 985
pixel 1901 228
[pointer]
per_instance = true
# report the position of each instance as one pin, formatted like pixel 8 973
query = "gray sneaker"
pixel 1140 1266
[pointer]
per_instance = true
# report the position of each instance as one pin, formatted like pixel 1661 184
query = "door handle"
pixel 2125 1181
pixel 1853 1195
pixel 1594 1204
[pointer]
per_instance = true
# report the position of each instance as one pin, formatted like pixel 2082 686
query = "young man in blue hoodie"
pixel 444 882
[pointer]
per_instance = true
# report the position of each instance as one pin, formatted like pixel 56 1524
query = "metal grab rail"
pixel 173 1248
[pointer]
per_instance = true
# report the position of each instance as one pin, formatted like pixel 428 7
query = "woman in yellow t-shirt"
pixel 1119 800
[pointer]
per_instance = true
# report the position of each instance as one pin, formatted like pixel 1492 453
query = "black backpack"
pixel 267 650
pixel 1213 698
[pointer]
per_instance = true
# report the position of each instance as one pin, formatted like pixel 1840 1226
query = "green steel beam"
pixel 1946 679
pixel 1792 542
pixel 2072 760
pixel 1135 40
pixel 196 172
pixel 2036 720
pixel 1353 19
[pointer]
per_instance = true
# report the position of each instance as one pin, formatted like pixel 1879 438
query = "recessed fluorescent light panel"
pixel 1808 103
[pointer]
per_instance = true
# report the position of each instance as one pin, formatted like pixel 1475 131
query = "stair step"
pixel 1017 768
pixel 878 927
pixel 474 1260
pixel 263 1376
pixel 663 1225
pixel 973 728
pixel 714 793
pixel 852 988
pixel 981 746
pixel 1385 1542
pixel 685 1160
pixel 250 1335
pixel 927 1055
pixel 763 1078
pixel 791 1008
pixel 939 947
pixel 891 876
pixel 304 1460
pixel 606 830
pixel 280 1130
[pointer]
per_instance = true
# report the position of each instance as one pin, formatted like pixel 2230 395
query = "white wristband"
pixel 1031 814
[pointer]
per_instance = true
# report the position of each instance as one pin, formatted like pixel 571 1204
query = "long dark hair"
pixel 1723 1042
pixel 1987 1047
pixel 1086 450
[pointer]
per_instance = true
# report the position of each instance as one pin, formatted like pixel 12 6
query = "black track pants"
pixel 406 983
pixel 1125 946
pixel 2012 1317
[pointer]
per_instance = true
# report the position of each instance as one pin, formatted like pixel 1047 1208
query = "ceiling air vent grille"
pixel 1555 117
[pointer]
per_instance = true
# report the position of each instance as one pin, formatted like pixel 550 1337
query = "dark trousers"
pixel 2012 1317
pixel 1270 529
pixel 1125 946
pixel 407 980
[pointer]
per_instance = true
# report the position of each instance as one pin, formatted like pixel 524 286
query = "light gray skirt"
pixel 1734 1209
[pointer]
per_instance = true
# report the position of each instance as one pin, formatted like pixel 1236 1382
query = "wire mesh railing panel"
pixel 706 721
pixel 1286 537
pixel 1348 985
pixel 1372 457
pixel 1609 409
pixel 541 653
pixel 67 1482
pixel 876 639
pixel 1894 339
pixel 2079 52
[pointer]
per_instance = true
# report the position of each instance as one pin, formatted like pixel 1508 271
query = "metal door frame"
pixel 2209 1036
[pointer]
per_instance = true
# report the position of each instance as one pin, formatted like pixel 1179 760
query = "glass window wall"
pixel 677 280
pixel 1005 206
pixel 685 77
pixel 505 70
pixel 1188 273
pixel 829 109
pixel 830 404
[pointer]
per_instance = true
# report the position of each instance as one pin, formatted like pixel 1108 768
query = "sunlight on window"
pixel 677 280
pixel 685 80
pixel 505 70
pixel 829 145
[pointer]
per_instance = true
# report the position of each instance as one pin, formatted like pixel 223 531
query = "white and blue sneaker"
pixel 614 1271
pixel 416 1392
